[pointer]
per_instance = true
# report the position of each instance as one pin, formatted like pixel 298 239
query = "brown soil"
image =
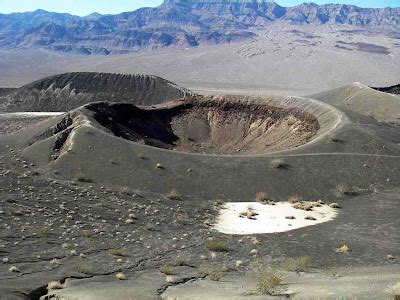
pixel 209 125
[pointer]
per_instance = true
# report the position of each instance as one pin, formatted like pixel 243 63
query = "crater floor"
pixel 210 125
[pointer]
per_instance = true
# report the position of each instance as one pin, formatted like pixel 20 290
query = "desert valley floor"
pixel 122 186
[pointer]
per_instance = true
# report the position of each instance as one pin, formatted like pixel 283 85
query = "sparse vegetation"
pixel 172 195
pixel 125 191
pixel 44 232
pixel 334 205
pixel 336 140
pixel 249 214
pixel 298 264
pixel 87 234
pixel 396 291
pixel 179 261
pixel 293 199
pixel 343 249
pixel 31 173
pixel 142 156
pixel 167 269
pixel 306 205
pixel 84 269
pixel 344 189
pixel 264 198
pixel 216 245
pixel 82 178
pixel 270 284
pixel 182 219
pixel 279 163
pixel 214 273
pixel 117 252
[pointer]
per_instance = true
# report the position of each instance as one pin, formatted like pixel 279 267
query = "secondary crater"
pixel 209 125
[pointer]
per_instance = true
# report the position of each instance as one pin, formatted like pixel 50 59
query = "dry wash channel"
pixel 213 125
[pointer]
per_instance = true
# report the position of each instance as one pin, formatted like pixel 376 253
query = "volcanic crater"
pixel 209 125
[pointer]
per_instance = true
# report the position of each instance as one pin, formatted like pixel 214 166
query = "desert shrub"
pixel 182 219
pixel 142 156
pixel 306 205
pixel 214 273
pixel 293 199
pixel 172 195
pixel 31 173
pixel 167 269
pixel 179 261
pixel 125 191
pixel 82 178
pixel 44 232
pixel 263 198
pixel 396 292
pixel 343 249
pixel 279 164
pixel 298 264
pixel 216 245
pixel 84 269
pixel 269 283
pixel 336 140
pixel 87 233
pixel 117 252
pixel 344 189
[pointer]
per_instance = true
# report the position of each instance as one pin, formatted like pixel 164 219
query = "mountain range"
pixel 179 23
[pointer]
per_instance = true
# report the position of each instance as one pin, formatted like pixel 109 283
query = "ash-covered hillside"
pixel 181 24
pixel 70 90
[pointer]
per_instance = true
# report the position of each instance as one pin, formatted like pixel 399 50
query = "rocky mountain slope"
pixel 178 23
pixel 70 90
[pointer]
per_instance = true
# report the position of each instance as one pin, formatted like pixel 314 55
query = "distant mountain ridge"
pixel 178 23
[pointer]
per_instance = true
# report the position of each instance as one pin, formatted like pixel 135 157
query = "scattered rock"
pixel 55 285
pixel 239 263
pixel 14 269
pixel 120 276
pixel 170 279
pixel 334 205
pixel 254 251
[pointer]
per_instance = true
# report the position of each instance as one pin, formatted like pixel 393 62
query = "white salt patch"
pixel 270 218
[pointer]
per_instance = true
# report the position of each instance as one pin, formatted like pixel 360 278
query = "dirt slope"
pixel 364 100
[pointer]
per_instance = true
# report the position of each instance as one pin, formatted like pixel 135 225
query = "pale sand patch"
pixel 270 218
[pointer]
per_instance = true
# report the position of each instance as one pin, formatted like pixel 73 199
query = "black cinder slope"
pixel 70 90
pixel 114 149
pixel 394 89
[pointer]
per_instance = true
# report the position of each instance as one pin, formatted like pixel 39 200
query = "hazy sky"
pixel 85 7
